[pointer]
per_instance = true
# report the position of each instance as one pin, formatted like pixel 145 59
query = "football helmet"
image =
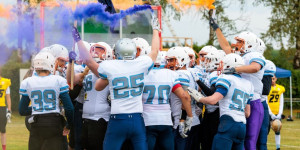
pixel 231 61
pixel 177 58
pixel 59 52
pixel 44 61
pixel 100 50
pixel 276 125
pixel 261 46
pixel 86 44
pixel 192 55
pixel 204 51
pixel 245 42
pixel 163 57
pixel 125 49
pixel 158 59
pixel 212 59
pixel 45 49
pixel 141 46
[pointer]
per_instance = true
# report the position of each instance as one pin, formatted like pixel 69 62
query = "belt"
pixel 126 116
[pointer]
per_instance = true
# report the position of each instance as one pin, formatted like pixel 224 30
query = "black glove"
pixel 213 24
pixel 229 71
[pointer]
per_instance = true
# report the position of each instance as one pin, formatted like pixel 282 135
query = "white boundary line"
pixel 283 145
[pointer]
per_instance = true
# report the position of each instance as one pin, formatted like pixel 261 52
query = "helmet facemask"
pixel 239 46
pixel 98 52
pixel 172 63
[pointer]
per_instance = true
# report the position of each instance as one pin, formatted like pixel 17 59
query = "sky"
pixel 190 24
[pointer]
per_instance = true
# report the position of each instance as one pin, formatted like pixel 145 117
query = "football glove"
pixel 273 117
pixel 195 94
pixel 181 128
pixel 8 115
pixel 154 23
pixel 72 56
pixel 75 34
pixel 213 23
pixel 278 117
pixel 188 124
pixel 229 70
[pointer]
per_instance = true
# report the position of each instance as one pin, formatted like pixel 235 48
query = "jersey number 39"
pixel 44 100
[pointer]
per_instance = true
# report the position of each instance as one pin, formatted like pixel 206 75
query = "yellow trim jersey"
pixel 4 84
pixel 274 98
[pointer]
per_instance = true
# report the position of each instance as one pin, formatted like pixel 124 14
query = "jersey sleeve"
pixel 23 87
pixel 258 58
pixel 223 81
pixel 7 90
pixel 102 70
pixel 270 68
pixel 213 79
pixel 183 80
pixel 282 88
pixel 63 85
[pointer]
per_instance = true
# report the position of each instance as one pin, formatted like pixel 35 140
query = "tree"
pixel 284 23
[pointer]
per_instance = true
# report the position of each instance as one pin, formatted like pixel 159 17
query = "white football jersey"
pixel 158 87
pixel 79 69
pixel 211 79
pixel 240 91
pixel 95 105
pixel 185 79
pixel 44 92
pixel 126 83
pixel 255 78
pixel 270 68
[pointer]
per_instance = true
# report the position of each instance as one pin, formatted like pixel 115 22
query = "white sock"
pixel 277 140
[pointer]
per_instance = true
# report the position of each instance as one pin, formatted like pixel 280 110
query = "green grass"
pixel 18 135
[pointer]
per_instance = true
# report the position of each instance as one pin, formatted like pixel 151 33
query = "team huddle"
pixel 133 96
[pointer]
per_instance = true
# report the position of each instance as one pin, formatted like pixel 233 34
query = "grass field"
pixel 17 134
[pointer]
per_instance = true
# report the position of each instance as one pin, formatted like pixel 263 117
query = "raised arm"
pixel 155 38
pixel 221 38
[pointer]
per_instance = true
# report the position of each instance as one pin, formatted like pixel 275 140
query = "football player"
pixel 5 110
pixel 276 102
pixel 159 84
pixel 178 60
pixel 247 46
pixel 269 72
pixel 61 58
pixel 233 93
pixel 44 92
pixel 211 113
pixel 96 109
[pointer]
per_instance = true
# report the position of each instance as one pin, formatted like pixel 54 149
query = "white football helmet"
pixel 125 49
pixel 261 46
pixel 44 61
pixel 86 44
pixel 101 51
pixel 163 57
pixel 213 59
pixel 204 51
pixel 191 54
pixel 59 52
pixel 142 45
pixel 180 55
pixel 249 42
pixel 158 59
pixel 231 61
pixel 45 49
